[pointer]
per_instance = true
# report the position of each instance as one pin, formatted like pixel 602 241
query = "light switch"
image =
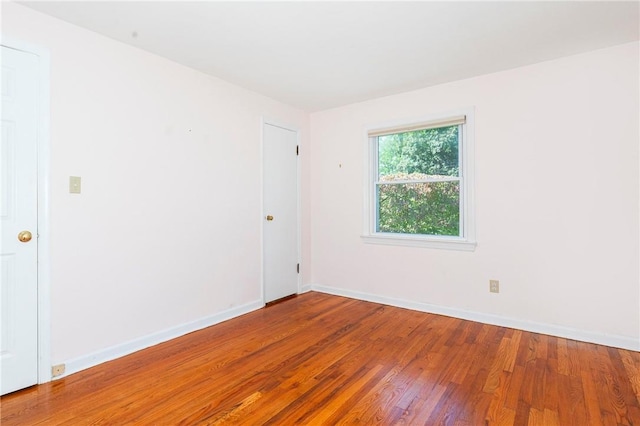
pixel 74 184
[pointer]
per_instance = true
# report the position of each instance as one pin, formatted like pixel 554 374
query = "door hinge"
pixel 297 149
pixel 298 268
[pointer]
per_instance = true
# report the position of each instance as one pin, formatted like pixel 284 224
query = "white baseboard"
pixel 108 354
pixel 622 342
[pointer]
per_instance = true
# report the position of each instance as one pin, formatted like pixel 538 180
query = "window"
pixel 420 183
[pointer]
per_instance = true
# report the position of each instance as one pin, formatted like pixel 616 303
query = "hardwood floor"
pixel 320 359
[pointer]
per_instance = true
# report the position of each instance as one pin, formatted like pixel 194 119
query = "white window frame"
pixel 467 240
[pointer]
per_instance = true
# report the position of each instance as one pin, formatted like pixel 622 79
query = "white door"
pixel 280 165
pixel 18 216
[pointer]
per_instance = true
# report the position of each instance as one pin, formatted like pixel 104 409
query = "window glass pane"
pixel 432 152
pixel 419 208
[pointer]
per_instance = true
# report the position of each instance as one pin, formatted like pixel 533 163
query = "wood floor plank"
pixel 497 405
pixel 345 394
pixel 321 359
pixel 632 369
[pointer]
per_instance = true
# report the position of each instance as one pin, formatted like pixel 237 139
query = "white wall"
pixel 167 228
pixel 556 201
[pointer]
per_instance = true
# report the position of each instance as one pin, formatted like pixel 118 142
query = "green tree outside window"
pixel 418 187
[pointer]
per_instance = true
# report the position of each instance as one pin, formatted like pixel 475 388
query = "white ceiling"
pixel 318 55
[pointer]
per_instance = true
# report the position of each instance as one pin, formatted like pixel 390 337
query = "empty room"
pixel 319 213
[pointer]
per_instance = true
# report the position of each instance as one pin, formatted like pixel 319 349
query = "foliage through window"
pixel 418 180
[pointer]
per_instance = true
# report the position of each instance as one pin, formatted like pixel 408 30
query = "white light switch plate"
pixel 74 184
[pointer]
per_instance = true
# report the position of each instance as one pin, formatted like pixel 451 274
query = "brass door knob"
pixel 269 217
pixel 25 236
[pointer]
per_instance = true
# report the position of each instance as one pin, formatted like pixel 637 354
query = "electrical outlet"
pixel 57 370
pixel 494 286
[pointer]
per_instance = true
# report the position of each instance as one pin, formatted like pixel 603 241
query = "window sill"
pixel 445 243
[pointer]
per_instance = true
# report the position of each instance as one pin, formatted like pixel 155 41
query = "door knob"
pixel 269 217
pixel 24 236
